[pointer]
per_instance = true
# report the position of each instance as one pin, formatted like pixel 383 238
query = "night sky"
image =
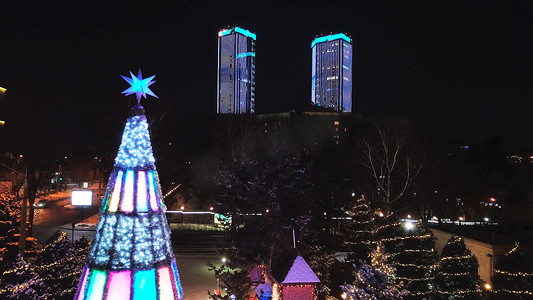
pixel 460 65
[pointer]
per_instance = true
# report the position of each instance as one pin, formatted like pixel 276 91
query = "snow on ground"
pixel 195 277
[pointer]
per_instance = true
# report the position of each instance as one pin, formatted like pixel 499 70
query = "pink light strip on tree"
pixel 119 285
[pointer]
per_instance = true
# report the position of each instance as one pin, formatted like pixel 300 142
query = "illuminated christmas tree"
pixel 412 247
pixel 513 275
pixel 59 267
pixel 131 256
pixel 457 272
pixel 375 280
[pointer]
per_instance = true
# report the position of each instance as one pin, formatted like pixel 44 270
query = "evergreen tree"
pixel 358 238
pixel 318 256
pixel 262 196
pixel 19 282
pixel 415 264
pixel 360 231
pixel 9 227
pixel 457 272
pixel 375 280
pixel 411 247
pixel 58 267
pixel 513 275
pixel 233 280
pixel 81 250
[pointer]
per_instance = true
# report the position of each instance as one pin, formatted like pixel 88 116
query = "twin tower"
pixel 331 77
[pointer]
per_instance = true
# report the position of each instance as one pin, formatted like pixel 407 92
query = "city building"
pixel 331 78
pixel 236 71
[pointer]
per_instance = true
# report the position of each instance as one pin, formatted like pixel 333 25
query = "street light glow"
pixel 408 225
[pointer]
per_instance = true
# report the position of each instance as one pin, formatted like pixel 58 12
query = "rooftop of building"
pixel 492 234
pixel 236 29
pixel 331 37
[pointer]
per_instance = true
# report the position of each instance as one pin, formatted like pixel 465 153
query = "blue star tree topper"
pixel 139 86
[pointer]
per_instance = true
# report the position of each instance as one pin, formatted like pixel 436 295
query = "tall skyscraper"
pixel 236 71
pixel 331 81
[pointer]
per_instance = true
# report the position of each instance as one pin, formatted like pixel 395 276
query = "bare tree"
pixel 390 158
pixel 234 133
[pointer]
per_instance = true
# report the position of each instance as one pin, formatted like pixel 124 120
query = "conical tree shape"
pixel 131 256
pixel 457 272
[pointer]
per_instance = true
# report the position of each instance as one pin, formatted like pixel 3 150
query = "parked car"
pixel 85 226
pixel 43 203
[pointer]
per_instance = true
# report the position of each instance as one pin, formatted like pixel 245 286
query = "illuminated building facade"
pixel 331 78
pixel 236 71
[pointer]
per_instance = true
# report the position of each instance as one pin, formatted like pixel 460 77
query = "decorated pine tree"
pixel 19 281
pixel 513 275
pixel 360 231
pixel 411 245
pixel 58 268
pixel 131 256
pixel 375 280
pixel 9 227
pixel 457 272
pixel 81 249
pixel 415 264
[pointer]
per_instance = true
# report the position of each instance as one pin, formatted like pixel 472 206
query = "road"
pixel 48 220
pixel 195 277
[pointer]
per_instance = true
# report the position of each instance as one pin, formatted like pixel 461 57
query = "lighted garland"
pixel 399 238
pixel 457 257
pixel 415 279
pixel 18 287
pixel 461 292
pixel 519 274
pixel 513 292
